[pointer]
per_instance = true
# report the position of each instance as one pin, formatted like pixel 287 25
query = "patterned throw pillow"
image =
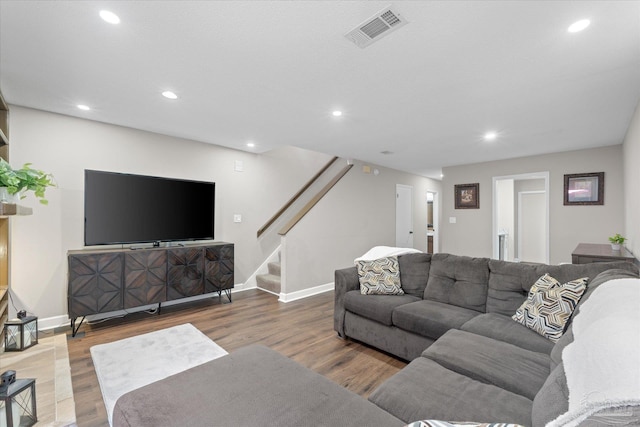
pixel 380 277
pixel 437 423
pixel 549 305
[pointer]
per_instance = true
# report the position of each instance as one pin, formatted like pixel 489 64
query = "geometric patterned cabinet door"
pixel 145 277
pixel 184 272
pixel 95 283
pixel 218 265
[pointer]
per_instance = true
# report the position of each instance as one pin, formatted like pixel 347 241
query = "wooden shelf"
pixel 10 209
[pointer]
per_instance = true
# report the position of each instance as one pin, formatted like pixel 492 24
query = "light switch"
pixel 238 166
pixel 452 220
pixel 237 218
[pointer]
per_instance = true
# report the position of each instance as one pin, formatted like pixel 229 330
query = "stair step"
pixel 274 268
pixel 268 282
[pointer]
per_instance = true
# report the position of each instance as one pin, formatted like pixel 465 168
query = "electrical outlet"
pixel 237 218
pixel 452 220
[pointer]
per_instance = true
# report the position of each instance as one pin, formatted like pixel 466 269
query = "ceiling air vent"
pixel 376 27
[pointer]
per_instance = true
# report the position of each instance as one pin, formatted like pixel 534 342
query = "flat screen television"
pixel 123 208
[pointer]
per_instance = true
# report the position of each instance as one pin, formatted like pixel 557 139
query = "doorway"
pixel 521 217
pixel 433 228
pixel 404 216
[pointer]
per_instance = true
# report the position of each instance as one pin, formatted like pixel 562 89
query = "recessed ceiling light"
pixel 83 107
pixel 109 17
pixel 578 26
pixel 170 95
pixel 336 113
pixel 251 144
pixel 490 136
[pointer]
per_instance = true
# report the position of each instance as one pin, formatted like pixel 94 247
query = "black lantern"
pixel 18 404
pixel 20 334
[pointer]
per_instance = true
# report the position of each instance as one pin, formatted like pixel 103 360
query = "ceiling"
pixel 272 72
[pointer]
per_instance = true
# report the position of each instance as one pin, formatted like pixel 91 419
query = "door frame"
pixel 436 220
pixel 533 175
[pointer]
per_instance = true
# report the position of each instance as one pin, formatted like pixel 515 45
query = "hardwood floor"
pixel 301 330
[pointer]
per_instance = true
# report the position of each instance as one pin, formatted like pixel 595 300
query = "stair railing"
pixel 306 208
pixel 295 197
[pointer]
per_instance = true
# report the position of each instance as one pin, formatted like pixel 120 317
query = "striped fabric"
pixel 549 305
pixel 380 277
pixel 437 423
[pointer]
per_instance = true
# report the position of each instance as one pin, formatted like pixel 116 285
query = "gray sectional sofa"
pixel 469 360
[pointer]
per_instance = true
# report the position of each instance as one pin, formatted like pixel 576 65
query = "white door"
pixel 404 216
pixel 532 243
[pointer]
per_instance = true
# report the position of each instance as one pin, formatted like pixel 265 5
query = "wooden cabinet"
pixel 586 253
pixel 185 272
pixel 145 277
pixel 95 283
pixel 117 279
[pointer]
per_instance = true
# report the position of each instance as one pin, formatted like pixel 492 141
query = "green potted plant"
pixel 15 182
pixel 616 241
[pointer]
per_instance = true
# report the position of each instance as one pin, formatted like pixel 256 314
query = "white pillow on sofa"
pixel 438 423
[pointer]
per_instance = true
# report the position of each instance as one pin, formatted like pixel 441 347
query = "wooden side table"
pixel 586 253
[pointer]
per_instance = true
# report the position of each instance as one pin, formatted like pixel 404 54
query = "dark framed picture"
pixel 584 189
pixel 467 196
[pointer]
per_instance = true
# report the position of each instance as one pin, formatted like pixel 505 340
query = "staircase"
pixel 270 282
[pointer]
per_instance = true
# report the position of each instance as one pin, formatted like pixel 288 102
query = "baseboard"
pixel 304 293
pixel 47 323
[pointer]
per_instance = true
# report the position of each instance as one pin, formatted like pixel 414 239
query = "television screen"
pixel 122 208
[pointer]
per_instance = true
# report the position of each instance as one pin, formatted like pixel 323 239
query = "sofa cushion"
pixel 509 282
pixel 503 328
pixel 430 318
pixel 375 307
pixel 380 276
pixel 426 390
pixel 414 273
pixel 260 386
pixel 490 361
pixel 552 399
pixel 550 305
pixel 458 280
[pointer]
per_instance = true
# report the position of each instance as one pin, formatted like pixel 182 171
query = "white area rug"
pixel 131 363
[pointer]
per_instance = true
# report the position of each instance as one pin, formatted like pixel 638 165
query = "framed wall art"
pixel 467 196
pixel 584 189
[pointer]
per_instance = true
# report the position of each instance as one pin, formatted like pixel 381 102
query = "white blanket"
pixel 378 252
pixel 602 364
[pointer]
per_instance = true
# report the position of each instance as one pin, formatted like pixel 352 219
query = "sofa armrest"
pixel 346 280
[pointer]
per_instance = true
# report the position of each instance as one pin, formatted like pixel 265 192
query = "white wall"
pixel 632 185
pixel 569 225
pixel 65 146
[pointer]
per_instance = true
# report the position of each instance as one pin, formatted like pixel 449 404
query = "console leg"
pixel 159 308
pixel 74 330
